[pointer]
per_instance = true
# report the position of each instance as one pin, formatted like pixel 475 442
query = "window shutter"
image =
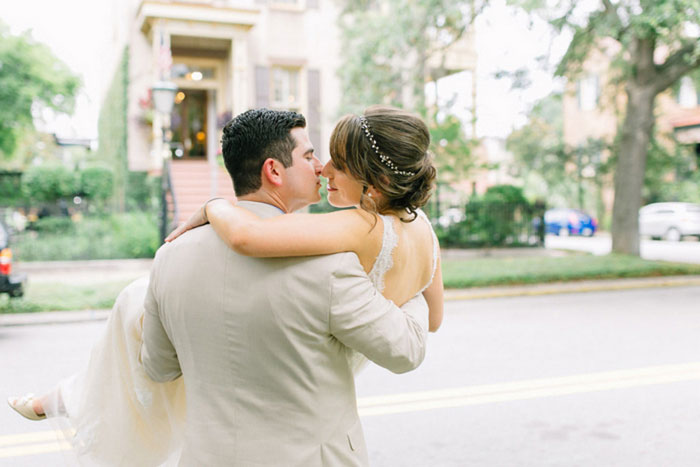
pixel 313 116
pixel 579 101
pixel 262 86
pixel 596 79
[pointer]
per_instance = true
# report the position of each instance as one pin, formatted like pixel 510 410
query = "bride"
pixel 380 166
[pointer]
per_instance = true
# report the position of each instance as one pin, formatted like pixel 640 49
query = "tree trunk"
pixel 631 164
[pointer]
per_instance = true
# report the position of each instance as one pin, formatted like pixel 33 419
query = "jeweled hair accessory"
pixel 384 158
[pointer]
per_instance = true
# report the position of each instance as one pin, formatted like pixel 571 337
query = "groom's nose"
pixel 318 167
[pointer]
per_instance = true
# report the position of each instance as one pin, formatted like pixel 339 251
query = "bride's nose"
pixel 327 169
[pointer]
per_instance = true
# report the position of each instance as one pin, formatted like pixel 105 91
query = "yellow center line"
pixel 36 442
pixel 34 437
pixel 34 449
pixel 41 442
pixel 527 389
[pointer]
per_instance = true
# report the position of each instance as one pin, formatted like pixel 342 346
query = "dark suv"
pixel 12 284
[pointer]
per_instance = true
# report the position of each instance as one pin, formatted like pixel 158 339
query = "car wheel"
pixel 15 293
pixel 587 232
pixel 563 232
pixel 673 235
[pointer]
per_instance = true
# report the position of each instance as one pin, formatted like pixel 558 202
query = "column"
pixel 212 143
pixel 239 75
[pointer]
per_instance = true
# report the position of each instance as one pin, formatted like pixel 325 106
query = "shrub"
pixel 505 194
pixel 142 192
pixel 128 235
pixel 48 183
pixel 495 223
pixel 96 183
pixel 11 188
pixel 53 224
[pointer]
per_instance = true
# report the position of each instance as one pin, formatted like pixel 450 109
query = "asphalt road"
pixel 588 379
pixel 686 251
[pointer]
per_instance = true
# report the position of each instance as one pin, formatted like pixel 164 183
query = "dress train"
pixel 112 413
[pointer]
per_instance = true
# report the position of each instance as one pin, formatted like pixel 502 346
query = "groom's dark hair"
pixel 251 138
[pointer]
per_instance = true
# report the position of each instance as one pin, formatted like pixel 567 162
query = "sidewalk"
pixel 476 293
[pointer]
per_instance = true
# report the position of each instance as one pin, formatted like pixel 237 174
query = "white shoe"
pixel 25 407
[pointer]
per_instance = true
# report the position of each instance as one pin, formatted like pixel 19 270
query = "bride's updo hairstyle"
pixel 386 148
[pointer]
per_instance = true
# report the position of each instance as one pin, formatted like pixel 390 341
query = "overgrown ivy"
pixel 113 131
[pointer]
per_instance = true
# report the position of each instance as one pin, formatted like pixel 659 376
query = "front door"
pixel 189 124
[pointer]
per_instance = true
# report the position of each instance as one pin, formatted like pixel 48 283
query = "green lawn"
pixel 530 270
pixel 48 296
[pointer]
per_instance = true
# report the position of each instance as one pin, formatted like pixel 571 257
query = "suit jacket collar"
pixel 263 210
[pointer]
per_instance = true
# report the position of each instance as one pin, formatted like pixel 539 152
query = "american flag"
pixel 165 58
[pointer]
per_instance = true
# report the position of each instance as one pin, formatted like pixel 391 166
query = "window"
pixel 285 88
pixel 289 5
pixel 687 93
pixel 588 90
pixel 192 73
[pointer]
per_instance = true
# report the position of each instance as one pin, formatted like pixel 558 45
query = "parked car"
pixel 11 284
pixel 567 221
pixel 670 221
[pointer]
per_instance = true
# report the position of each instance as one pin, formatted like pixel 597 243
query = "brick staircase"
pixel 192 186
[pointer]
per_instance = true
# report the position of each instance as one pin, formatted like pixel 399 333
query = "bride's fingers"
pixel 182 228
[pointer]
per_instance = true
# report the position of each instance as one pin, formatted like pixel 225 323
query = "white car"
pixel 670 221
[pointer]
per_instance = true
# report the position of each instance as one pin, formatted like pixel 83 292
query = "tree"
pixel 658 45
pixel 31 77
pixel 552 169
pixel 396 47
pixel 539 151
pixel 391 43
pixel 452 148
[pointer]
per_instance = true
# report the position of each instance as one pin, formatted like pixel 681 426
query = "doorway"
pixel 189 124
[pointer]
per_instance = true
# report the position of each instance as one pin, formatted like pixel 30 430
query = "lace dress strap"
pixel 436 247
pixel 384 261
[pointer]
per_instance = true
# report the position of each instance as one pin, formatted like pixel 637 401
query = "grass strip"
pixel 484 272
pixel 49 296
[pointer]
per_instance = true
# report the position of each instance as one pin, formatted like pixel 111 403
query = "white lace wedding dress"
pixel 114 415
pixel 382 265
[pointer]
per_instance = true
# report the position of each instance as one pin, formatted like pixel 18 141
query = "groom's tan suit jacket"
pixel 262 345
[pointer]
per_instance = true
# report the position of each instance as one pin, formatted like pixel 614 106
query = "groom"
pixel 262 344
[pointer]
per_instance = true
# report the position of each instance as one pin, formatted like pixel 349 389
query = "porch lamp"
pixel 163 95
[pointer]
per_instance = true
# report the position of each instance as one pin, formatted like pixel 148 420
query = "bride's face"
pixel 343 189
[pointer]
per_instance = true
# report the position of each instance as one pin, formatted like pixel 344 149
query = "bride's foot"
pixel 28 407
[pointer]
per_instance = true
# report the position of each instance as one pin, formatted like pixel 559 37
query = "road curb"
pixel 52 317
pixel 572 287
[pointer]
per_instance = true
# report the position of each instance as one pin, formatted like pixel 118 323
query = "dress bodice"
pixel 384 261
pixel 382 264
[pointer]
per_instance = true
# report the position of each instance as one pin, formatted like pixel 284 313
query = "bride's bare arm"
pixel 299 235
pixel 434 296
pixel 289 235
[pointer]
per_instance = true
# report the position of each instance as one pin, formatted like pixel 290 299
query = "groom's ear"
pixel 272 170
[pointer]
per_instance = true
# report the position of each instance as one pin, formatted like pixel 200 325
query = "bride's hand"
pixel 197 219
